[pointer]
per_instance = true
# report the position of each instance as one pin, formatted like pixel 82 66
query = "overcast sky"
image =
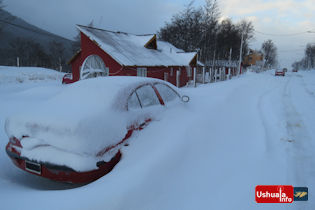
pixel 280 18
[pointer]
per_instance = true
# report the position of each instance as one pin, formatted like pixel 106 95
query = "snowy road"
pixel 209 154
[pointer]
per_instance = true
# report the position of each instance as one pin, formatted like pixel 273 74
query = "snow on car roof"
pixel 128 49
pixel 107 91
pixel 90 96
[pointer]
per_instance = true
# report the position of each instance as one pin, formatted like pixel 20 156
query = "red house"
pixel 107 53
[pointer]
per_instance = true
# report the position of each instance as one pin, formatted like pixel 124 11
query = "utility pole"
pixel 230 65
pixel 195 69
pixel 215 47
pixel 241 50
pixel 60 66
pixel 230 57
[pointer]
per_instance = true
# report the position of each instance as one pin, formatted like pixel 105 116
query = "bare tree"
pixel 185 29
pixel 19 48
pixel 227 38
pixel 308 61
pixel 57 54
pixel 210 24
pixel 247 29
pixel 310 56
pixel 30 53
pixel 270 53
pixel 199 28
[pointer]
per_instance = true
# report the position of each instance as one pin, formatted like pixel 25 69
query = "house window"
pixel 93 66
pixel 171 73
pixel 142 72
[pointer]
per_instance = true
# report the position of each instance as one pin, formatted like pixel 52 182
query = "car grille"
pixel 32 167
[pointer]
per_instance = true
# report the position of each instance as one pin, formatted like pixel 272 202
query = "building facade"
pixel 107 53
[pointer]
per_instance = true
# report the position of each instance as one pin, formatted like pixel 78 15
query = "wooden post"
pixel 203 75
pixel 195 72
pixel 177 78
pixel 60 66
pixel 165 76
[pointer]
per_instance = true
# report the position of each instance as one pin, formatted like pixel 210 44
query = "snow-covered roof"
pixel 129 49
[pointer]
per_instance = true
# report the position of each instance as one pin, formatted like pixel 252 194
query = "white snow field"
pixel 257 129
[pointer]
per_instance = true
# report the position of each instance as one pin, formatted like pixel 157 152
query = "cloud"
pixel 276 17
pixel 59 16
pixel 147 16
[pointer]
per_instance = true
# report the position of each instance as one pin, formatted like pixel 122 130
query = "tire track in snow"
pixel 298 144
pixel 263 118
pixel 310 93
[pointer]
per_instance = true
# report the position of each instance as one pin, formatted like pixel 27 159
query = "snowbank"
pixel 208 154
pixel 9 74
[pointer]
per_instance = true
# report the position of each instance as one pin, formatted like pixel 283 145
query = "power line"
pixel 293 50
pixel 289 34
pixel 33 30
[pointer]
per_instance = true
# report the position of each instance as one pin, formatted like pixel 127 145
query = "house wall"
pixel 251 59
pixel 89 47
pixel 75 65
pixel 158 73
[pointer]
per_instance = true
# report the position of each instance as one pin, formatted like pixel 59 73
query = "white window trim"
pixel 141 72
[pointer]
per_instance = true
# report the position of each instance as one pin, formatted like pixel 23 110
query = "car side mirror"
pixel 185 99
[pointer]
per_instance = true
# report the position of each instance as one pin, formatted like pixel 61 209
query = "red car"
pixel 280 72
pixel 294 70
pixel 77 137
pixel 67 79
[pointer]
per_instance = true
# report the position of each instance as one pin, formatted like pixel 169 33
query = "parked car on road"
pixel 279 72
pixel 294 70
pixel 77 135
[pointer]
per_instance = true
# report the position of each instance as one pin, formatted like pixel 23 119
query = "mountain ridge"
pixel 15 27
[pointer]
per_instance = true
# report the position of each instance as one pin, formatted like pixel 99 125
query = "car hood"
pixel 85 135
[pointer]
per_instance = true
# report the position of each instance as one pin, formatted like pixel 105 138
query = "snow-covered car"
pixel 280 72
pixel 77 135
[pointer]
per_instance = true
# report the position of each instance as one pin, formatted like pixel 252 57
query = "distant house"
pixel 253 58
pixel 107 53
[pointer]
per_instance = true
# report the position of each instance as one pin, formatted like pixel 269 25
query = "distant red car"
pixel 280 72
pixel 67 79
pixel 294 70
pixel 79 139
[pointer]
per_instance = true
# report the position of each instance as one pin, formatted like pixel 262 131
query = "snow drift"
pixel 9 74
